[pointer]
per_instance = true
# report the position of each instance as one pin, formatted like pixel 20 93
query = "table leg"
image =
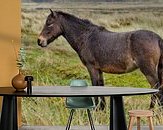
pixel 117 114
pixel 9 113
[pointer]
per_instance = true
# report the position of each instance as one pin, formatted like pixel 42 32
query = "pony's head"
pixel 51 30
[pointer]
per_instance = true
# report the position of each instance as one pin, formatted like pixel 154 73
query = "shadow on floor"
pixel 80 128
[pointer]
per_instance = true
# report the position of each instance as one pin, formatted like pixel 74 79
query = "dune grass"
pixel 58 63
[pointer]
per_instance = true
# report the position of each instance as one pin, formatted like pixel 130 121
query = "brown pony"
pixel 101 50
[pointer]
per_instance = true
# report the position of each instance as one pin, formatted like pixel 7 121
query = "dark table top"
pixel 67 91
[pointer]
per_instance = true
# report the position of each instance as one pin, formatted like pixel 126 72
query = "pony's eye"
pixel 50 25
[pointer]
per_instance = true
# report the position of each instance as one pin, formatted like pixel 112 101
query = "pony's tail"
pixel 160 64
pixel 160 74
pixel 159 96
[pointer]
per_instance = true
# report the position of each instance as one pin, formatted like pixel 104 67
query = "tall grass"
pixel 58 63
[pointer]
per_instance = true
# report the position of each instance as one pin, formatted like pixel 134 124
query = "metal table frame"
pixel 117 114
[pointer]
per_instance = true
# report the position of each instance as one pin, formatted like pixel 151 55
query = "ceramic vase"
pixel 18 82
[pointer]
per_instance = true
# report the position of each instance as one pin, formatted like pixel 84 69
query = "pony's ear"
pixel 52 13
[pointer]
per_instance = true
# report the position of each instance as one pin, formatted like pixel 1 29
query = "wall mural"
pixel 57 63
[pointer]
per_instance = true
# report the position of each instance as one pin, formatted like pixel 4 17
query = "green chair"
pixel 79 102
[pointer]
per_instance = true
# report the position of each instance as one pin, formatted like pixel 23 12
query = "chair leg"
pixel 138 123
pixel 150 123
pixel 70 119
pixel 131 122
pixel 90 119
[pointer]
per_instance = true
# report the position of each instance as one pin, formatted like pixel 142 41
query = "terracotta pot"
pixel 18 82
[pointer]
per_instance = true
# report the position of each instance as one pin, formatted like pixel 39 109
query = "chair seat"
pixel 140 113
pixel 80 102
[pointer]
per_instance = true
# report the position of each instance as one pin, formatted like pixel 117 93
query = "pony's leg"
pixel 97 80
pixel 101 83
pixel 160 87
pixel 94 75
pixel 151 75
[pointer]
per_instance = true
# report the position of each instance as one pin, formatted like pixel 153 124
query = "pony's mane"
pixel 73 18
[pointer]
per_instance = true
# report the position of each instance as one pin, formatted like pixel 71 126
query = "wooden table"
pixel 117 115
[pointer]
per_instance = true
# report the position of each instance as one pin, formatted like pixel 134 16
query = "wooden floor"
pixel 79 128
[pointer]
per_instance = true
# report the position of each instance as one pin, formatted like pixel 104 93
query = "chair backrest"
pixel 79 102
pixel 78 83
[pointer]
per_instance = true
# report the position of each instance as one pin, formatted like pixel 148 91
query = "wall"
pixel 10 30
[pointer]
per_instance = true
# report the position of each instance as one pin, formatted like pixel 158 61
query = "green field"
pixel 58 63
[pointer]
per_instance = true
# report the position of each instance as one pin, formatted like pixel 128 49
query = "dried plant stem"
pixel 15 52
